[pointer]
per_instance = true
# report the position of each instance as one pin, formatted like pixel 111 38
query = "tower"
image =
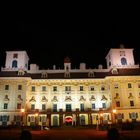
pixel 120 58
pixel 67 64
pixel 16 60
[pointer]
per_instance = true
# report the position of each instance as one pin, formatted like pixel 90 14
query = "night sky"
pixel 49 39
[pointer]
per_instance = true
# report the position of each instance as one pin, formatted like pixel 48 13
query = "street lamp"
pixel 22 111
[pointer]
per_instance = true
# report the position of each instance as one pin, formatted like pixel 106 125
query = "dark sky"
pixel 81 36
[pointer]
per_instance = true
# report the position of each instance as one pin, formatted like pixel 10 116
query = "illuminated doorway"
pixel 68 120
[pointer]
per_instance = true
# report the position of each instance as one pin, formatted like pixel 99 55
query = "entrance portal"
pixel 68 120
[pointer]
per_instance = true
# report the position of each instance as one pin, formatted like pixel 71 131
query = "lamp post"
pixel 22 111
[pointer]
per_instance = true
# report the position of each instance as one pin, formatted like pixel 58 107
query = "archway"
pixel 68 120
pixel 14 64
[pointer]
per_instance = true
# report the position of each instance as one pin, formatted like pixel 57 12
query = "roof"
pixel 74 75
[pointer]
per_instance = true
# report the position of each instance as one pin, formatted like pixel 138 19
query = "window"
pixel 54 88
pixel 14 64
pixel 33 88
pixel 93 106
pixel 68 107
pixel 43 107
pixel 43 88
pixel 82 107
pixel 15 55
pixel 5 105
pixel 6 87
pixel 81 88
pixel 116 85
pixel 131 103
pixel 117 103
pixel 32 106
pixel 67 88
pixel 138 85
pixel 55 107
pixel 18 106
pixel 19 87
pixel 123 61
pixel 129 85
pixel 102 88
pixel 104 105
pixel 92 88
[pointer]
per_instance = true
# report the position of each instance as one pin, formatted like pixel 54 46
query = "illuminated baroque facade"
pixel 58 97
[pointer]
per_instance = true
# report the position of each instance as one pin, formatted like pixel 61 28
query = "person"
pixel 26 135
pixel 113 134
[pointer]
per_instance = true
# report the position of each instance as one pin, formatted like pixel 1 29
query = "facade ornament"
pixel 91 73
pixel 103 98
pixel 82 98
pixel 92 98
pixel 114 71
pixel 68 98
pixel 117 96
pixel 19 98
pixel 44 74
pixel 55 99
pixel 21 72
pixel 6 98
pixel 130 96
pixel 44 99
pixel 32 99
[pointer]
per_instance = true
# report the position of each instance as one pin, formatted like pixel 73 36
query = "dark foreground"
pixel 67 134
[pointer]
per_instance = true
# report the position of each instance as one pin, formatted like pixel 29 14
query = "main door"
pixel 68 120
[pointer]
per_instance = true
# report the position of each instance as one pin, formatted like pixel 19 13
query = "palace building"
pixel 58 97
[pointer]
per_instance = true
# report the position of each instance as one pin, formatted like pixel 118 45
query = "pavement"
pixel 67 134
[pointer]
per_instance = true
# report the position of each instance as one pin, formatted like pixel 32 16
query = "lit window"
pixel 131 103
pixel 68 107
pixel 54 88
pixel 116 85
pixel 104 105
pixel 102 88
pixel 18 106
pixel 54 107
pixel 32 106
pixel 93 106
pixel 92 88
pixel 67 88
pixel 43 88
pixel 6 87
pixel 129 85
pixel 123 61
pixel 81 88
pixel 19 87
pixel 5 105
pixel 117 103
pixel 82 107
pixel 15 55
pixel 33 88
pixel 43 107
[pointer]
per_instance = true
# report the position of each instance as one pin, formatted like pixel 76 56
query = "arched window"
pixel 82 120
pixel 55 121
pixel 123 61
pixel 14 64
